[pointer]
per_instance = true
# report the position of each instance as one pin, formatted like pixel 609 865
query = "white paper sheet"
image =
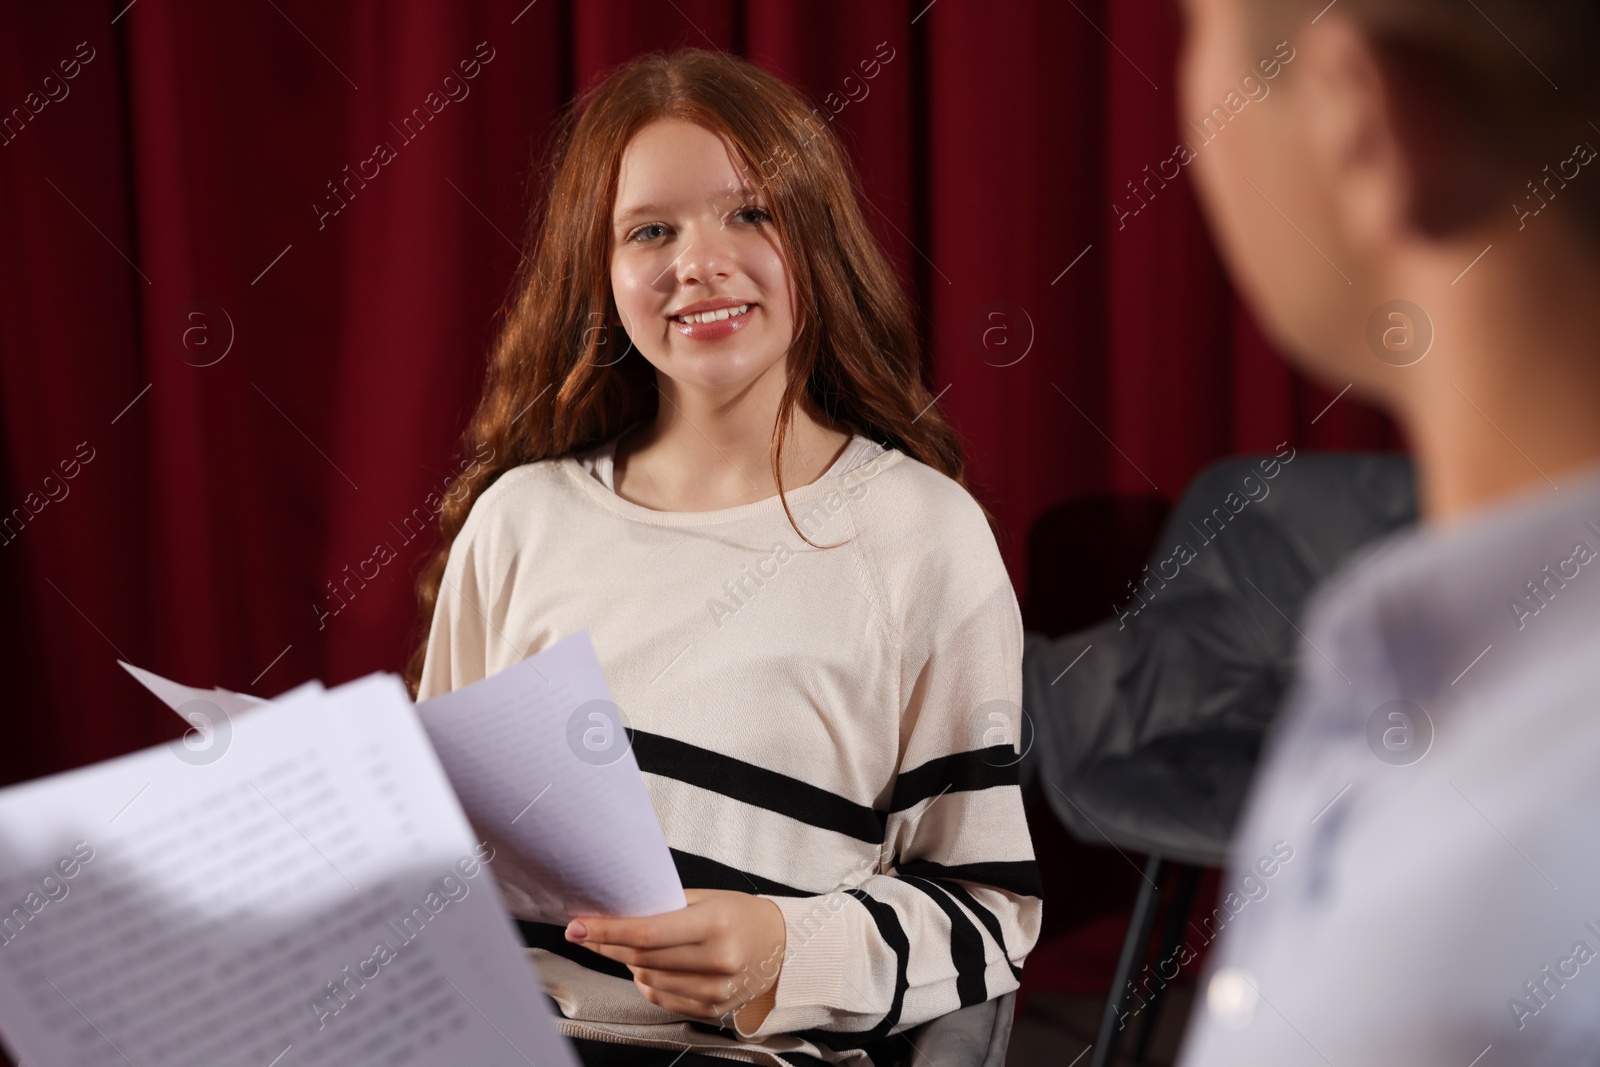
pixel 542 764
pixel 303 899
pixel 545 773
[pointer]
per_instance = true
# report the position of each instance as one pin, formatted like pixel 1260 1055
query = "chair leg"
pixel 1133 949
pixel 1171 938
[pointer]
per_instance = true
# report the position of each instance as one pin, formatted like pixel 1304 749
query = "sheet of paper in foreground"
pixel 543 765
pixel 311 895
pixel 208 711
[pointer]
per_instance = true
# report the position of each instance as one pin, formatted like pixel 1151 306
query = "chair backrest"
pixel 1257 548
pixel 1208 637
pixel 1246 516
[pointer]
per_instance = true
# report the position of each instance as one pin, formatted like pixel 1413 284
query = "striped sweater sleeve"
pixel 954 904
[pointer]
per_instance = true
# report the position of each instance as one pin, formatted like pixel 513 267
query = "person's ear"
pixel 1353 134
pixel 1392 137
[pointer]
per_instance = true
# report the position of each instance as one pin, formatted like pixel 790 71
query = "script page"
pixel 540 757
pixel 313 895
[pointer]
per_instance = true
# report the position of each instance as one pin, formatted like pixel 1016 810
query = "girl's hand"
pixel 720 955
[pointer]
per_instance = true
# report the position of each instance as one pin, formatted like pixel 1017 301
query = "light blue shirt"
pixel 1435 781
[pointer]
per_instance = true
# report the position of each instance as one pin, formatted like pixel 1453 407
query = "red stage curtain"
pixel 169 202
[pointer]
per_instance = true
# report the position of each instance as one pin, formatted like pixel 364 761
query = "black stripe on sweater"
pixel 957 772
pixel 757 786
pixel 698 872
pixel 1014 876
pixel 966 945
pixel 986 917
pixel 552 938
pixel 894 936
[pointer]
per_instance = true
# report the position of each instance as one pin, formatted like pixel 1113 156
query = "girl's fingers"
pixel 690 958
pixel 692 995
pixel 679 927
pixel 692 1008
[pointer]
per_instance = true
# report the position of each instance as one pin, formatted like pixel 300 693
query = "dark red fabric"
pixel 180 173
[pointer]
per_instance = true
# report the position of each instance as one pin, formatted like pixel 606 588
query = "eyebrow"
pixel 638 212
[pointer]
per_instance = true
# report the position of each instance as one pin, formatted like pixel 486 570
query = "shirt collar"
pixel 1423 611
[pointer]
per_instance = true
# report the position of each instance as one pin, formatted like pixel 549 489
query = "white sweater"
pixel 833 729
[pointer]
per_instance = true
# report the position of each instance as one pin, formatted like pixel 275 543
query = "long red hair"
pixel 556 384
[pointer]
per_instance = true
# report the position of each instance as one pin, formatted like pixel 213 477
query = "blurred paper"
pixel 311 894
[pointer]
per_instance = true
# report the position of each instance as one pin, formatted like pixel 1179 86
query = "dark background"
pixel 173 188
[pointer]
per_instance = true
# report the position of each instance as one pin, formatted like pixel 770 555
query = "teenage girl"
pixel 712 447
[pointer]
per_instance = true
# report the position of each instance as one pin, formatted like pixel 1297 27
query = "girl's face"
pixel 687 233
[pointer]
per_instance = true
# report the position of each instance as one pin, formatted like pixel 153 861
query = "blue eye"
pixel 638 234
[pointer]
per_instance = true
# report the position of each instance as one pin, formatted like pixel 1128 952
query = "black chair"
pixel 1148 724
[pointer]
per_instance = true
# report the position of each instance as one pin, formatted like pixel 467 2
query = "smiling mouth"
pixel 714 316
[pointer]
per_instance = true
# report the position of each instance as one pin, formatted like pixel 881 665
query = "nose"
pixel 707 254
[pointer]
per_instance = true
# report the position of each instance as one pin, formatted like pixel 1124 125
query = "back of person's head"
pixel 1400 139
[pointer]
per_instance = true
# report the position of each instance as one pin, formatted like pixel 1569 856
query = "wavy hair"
pixel 552 386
